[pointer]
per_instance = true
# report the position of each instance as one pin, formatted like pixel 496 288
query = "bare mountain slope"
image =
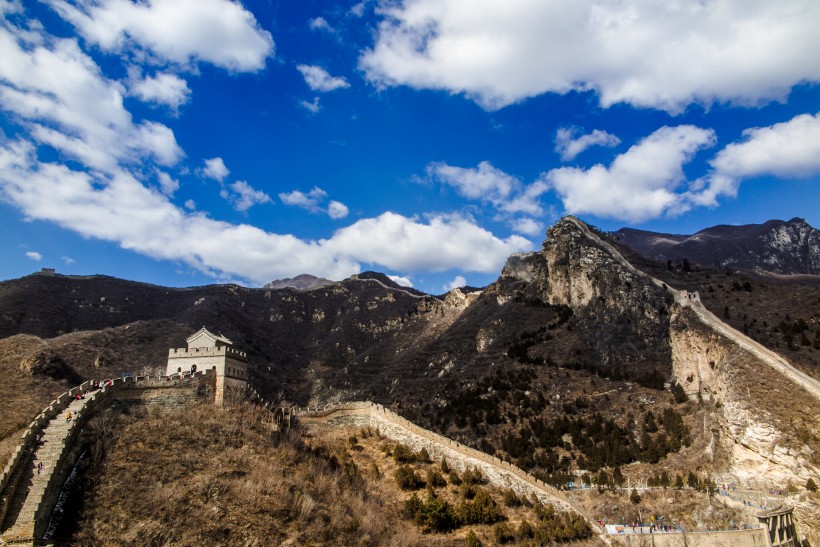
pixel 777 246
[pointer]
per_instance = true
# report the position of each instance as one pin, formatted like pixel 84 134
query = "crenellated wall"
pixel 33 495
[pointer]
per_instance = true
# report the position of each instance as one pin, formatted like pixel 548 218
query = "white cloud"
pixel 308 201
pixel 164 88
pixel 400 280
pixel 10 6
pixel 337 210
pixel 458 282
pixel 68 260
pixel 167 184
pixel 318 79
pixel 320 23
pixel 484 182
pixel 122 210
pixel 34 255
pixel 67 102
pixel 568 146
pixel 215 169
pixel 312 201
pixel 528 226
pixel 641 183
pixel 244 196
pixel 190 204
pixel 489 184
pixel 220 32
pixel 788 149
pixel 663 55
pixel 312 106
pixel 358 9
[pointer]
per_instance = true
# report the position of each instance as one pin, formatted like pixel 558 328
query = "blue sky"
pixel 186 142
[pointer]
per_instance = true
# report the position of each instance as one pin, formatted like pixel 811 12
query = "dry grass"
pixel 218 476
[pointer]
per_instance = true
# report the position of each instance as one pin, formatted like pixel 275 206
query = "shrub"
pixel 511 498
pixel 503 533
pixel 454 479
pixel 445 468
pixel 811 486
pixel 481 510
pixel 471 540
pixel 435 479
pixel 407 479
pixel 436 514
pixel 473 476
pixel 634 497
pixel 403 454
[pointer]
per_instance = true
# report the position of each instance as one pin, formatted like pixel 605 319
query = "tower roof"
pixel 204 337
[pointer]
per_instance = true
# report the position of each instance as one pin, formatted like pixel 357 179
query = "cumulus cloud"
pixel 489 184
pixel 569 146
pixel 527 226
pixel 400 280
pixel 337 210
pixel 483 182
pixel 164 88
pixel 68 260
pixel 220 32
pixel 641 183
pixel 215 169
pixel 457 282
pixel 318 79
pixel 313 202
pixel 244 196
pixel 789 149
pixel 167 184
pixel 69 105
pixel 660 55
pixel 34 255
pixel 311 106
pixel 305 200
pixel 122 210
pixel 320 23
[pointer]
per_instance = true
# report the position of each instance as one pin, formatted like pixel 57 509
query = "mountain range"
pixel 577 357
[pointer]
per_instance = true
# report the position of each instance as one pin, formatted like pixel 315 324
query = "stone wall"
pixel 459 456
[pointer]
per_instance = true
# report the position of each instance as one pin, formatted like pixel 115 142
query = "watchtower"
pixel 205 351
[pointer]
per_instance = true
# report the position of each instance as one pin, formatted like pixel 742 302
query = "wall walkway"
pixel 28 493
pixel 459 456
pixel 685 299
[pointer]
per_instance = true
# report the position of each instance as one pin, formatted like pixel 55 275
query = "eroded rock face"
pixel 758 429
pixel 602 293
pixel 524 266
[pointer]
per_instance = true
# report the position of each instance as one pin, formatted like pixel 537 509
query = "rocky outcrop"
pixel 624 315
pixel 766 413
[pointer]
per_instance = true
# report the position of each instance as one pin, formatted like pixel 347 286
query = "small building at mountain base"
pixel 207 351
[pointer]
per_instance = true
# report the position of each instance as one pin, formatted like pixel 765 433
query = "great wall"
pixel 28 493
pixel 32 480
pixel 692 301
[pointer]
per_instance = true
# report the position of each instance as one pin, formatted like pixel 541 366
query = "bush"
pixel 634 497
pixel 473 476
pixel 471 540
pixel 436 514
pixel 454 479
pixel 481 510
pixel 435 479
pixel 403 454
pixel 511 498
pixel 811 486
pixel 407 479
pixel 503 533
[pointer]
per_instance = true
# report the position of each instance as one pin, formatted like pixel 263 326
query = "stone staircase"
pixel 36 484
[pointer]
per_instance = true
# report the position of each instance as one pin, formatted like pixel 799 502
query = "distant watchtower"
pixel 205 351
